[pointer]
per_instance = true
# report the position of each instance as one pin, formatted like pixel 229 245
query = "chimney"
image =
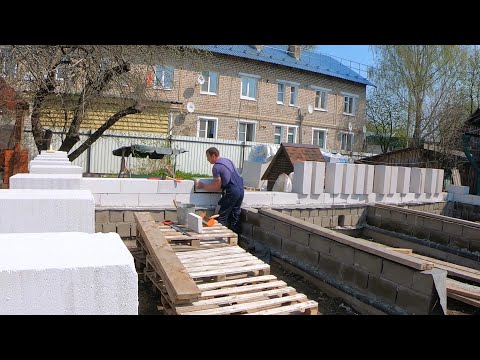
pixel 294 51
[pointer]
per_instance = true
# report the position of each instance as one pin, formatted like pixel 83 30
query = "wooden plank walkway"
pixel 229 279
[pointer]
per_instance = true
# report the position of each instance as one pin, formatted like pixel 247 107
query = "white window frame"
pixel 325 131
pixel 354 103
pixel 208 82
pixel 286 132
pixel 284 87
pixel 281 132
pixel 207 118
pixel 296 96
pixel 341 141
pixel 247 122
pixel 156 85
pixel 321 90
pixel 295 135
pixel 250 76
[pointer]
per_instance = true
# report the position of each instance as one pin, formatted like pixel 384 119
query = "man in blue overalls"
pixel 225 177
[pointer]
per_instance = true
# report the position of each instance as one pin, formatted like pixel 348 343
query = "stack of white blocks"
pixel 53 163
pixel 67 273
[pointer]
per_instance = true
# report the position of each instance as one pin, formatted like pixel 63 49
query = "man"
pixel 226 178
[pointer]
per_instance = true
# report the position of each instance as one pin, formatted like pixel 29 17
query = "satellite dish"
pixel 200 79
pixel 350 127
pixel 190 107
pixel 310 109
pixel 364 129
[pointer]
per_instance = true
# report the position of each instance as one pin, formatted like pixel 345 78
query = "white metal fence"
pixel 99 158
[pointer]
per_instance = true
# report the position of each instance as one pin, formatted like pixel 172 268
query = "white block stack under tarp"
pixel 67 273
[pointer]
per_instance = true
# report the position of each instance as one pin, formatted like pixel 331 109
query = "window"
pixel 347 141
pixel 277 135
pixel 291 134
pixel 207 128
pixel 280 93
pixel 320 100
pixel 293 95
pixel 210 85
pixel 249 87
pixel 319 137
pixel 163 77
pixel 246 131
pixel 349 103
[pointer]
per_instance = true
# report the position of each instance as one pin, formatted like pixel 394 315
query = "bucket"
pixel 182 211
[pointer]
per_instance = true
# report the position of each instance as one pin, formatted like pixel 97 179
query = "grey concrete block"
pixel 329 265
pixel 123 229
pixel 158 216
pixel 109 227
pixel 354 275
pixel 414 302
pixel 342 252
pixel 397 273
pixel 320 244
pixel 368 262
pixel 128 216
pixel 382 288
pixel 116 216
pixel 298 235
pixel 102 217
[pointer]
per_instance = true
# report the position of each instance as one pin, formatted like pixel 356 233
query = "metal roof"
pixel 277 54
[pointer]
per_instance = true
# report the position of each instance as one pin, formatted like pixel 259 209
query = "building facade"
pixel 265 94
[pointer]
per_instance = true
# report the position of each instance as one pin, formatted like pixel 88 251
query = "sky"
pixel 357 53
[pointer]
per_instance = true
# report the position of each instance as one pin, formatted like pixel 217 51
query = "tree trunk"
pixel 134 109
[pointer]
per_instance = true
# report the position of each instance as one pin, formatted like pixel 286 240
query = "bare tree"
pixel 425 79
pixel 76 77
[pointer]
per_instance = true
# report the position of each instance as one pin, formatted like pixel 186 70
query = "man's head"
pixel 212 155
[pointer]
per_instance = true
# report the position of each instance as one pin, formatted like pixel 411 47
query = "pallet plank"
pixel 285 310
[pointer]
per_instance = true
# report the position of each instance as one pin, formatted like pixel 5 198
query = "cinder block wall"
pixel 329 217
pixel 123 223
pixel 388 285
pixel 457 234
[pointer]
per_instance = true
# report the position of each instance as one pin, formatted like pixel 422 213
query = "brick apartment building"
pixel 263 93
pixel 259 93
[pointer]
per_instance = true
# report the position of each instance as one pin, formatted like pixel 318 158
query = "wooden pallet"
pixel 221 279
pixel 210 234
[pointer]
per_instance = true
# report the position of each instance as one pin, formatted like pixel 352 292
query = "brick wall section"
pixel 229 108
pixel 309 245
pixel 459 235
pixel 329 217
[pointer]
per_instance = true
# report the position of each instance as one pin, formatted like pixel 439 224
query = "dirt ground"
pixel 148 300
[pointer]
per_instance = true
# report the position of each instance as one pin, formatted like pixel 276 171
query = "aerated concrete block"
pixel 417 180
pixel 369 176
pixel 334 173
pixel 138 186
pixel 203 180
pixel 53 153
pixel 56 169
pixel 359 179
pixel 67 273
pixel 348 179
pixel 403 183
pixel 101 185
pixel 318 177
pixel 27 210
pixel 49 162
pixel 430 181
pixel 393 179
pixel 381 182
pixel 457 189
pixel 194 222
pixel 440 174
pixel 46 181
pixel 120 200
pixel 258 198
pixel 302 177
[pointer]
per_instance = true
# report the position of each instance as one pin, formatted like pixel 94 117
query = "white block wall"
pixel 67 273
pixel 381 182
pixel 369 177
pixel 318 177
pixel 46 181
pixel 359 179
pixel 393 179
pixel 26 210
pixel 56 169
pixel 430 181
pixel 334 173
pixel 48 162
pixel 417 180
pixel 440 174
pixel 348 177
pixel 54 153
pixel 458 189
pixel 302 177
pixel 403 183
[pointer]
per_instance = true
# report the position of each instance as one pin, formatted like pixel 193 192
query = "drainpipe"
pixel 466 139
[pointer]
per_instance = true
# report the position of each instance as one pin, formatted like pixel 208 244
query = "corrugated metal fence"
pixel 99 158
